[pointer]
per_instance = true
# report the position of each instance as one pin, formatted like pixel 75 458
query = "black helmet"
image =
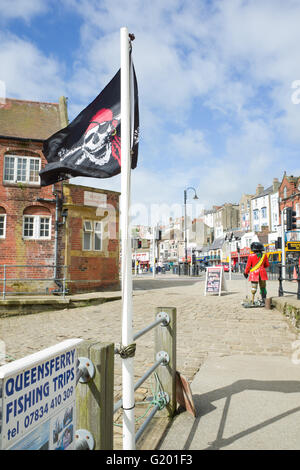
pixel 257 247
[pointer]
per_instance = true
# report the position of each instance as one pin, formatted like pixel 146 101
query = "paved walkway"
pixel 209 327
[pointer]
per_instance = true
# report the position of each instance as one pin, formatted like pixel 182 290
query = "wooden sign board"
pixel 38 400
pixel 214 281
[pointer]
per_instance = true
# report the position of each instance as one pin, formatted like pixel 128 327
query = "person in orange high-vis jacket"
pixel 256 270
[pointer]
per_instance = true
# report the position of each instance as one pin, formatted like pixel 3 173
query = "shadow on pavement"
pixel 147 284
pixel 203 404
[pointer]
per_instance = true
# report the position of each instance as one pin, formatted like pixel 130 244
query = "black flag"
pixel 91 144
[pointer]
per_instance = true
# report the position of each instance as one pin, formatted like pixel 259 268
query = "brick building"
pixel 289 194
pixel 90 238
pixel 44 228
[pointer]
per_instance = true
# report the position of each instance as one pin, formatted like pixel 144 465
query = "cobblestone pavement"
pixel 206 325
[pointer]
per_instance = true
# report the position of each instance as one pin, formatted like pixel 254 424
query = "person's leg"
pixel 263 290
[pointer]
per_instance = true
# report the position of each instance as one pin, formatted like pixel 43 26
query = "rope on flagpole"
pixel 125 351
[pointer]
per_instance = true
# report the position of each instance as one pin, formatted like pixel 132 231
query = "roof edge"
pixel 30 101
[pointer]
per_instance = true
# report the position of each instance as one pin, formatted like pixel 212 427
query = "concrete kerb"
pixel 21 305
pixel 290 307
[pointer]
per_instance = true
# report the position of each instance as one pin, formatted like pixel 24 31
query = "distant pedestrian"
pixel 256 266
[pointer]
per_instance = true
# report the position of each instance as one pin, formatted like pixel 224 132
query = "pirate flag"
pixel 91 144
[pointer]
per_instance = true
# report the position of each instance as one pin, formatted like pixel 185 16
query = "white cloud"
pixel 28 73
pixel 189 144
pixel 24 9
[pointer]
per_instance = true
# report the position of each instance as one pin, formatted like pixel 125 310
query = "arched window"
pixel 37 223
pixel 284 192
pixel 2 222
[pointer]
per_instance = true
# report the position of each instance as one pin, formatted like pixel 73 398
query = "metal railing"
pixel 293 267
pixel 9 277
pixel 163 358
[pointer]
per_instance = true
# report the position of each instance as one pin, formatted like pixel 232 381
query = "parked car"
pixel 204 266
pixel 225 266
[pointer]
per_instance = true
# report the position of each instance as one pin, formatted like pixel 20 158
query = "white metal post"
pixel 127 329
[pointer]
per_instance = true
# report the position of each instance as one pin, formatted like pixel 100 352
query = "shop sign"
pixel 141 256
pixel 245 251
pixel 95 199
pixel 214 281
pixel 293 246
pixel 37 400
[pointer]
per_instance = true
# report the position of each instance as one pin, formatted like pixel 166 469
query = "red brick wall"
pixel 292 194
pixel 90 270
pixel 17 199
pixel 87 270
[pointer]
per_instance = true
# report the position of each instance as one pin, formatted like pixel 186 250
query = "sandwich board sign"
pixel 215 280
pixel 37 400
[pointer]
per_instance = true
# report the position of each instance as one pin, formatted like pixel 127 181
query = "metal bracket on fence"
pixel 85 370
pixel 164 356
pixel 84 440
pixel 164 318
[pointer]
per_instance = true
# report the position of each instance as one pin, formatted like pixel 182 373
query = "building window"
pixel 264 212
pixel 36 227
pixel 255 214
pixel 92 236
pixel 21 169
pixel 284 192
pixel 87 235
pixel 44 227
pixel 2 225
pixel 97 236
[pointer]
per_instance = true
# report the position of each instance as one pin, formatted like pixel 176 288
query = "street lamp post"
pixel 185 238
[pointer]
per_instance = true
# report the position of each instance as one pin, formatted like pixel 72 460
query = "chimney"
pixel 259 189
pixel 276 184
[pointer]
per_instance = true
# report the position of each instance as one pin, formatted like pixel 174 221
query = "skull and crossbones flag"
pixel 91 144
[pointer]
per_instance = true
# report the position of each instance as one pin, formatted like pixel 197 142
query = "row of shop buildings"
pixel 226 232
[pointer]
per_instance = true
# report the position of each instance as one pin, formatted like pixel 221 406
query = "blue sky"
pixel 215 84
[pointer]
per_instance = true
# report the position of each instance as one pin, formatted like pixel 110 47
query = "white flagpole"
pixel 127 328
